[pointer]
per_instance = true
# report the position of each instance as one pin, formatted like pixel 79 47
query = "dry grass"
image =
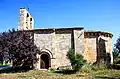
pixel 36 74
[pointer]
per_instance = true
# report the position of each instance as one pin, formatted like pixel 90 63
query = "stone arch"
pixel 45 59
pixel 47 51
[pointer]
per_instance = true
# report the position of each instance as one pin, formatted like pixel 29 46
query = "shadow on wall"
pixel 103 57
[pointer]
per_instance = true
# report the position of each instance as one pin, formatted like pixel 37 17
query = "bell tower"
pixel 26 21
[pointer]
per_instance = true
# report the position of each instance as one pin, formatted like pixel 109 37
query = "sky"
pixel 103 15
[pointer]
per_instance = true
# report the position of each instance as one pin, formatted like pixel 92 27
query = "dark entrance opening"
pixel 45 61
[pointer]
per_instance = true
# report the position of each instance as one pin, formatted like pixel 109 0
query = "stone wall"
pixel 63 44
pixel 79 41
pixel 90 49
pixel 26 21
pixel 57 42
pixel 98 45
pixel 21 19
pixel 44 41
pixel 108 47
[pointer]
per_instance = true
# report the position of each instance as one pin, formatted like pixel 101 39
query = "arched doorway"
pixel 45 61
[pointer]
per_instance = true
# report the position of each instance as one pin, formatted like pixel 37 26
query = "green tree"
pixel 116 51
pixel 77 60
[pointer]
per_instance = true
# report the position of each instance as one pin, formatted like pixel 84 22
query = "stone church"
pixel 54 43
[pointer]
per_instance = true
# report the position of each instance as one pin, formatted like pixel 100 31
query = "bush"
pixel 52 69
pixel 96 67
pixel 86 68
pixel 76 60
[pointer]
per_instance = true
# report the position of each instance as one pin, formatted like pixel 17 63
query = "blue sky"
pixel 92 14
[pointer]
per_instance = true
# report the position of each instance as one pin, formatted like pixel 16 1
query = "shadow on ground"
pixel 14 70
pixel 65 71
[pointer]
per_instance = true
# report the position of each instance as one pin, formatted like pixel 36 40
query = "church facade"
pixel 54 43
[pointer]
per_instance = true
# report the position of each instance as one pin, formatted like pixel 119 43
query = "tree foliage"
pixel 18 47
pixel 117 46
pixel 76 60
pixel 116 51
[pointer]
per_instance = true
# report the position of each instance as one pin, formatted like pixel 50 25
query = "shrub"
pixel 116 56
pixel 76 60
pixel 52 69
pixel 86 68
pixel 99 66
pixel 94 67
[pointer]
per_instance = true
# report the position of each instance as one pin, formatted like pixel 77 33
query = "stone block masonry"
pixel 54 43
pixel 58 42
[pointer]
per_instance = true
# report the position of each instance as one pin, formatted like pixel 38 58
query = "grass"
pixel 36 74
